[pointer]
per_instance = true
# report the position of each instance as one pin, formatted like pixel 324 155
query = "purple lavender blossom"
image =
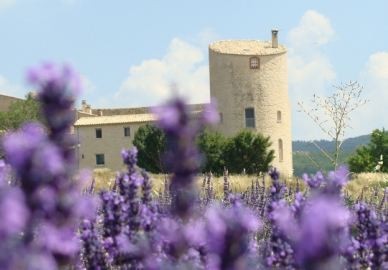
pixel 323 232
pixel 93 252
pixel 210 114
pixel 6 175
pixel 228 236
pixel 336 180
pixel 280 252
pixel 13 211
pixel 112 209
pixel 314 181
pixel 59 86
pixel 370 242
pixel 147 189
pixel 47 210
pixel 182 156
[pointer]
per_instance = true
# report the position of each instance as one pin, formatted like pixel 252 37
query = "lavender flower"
pixel 314 181
pixel 46 201
pixel 370 242
pixel 59 86
pixel 182 156
pixel 13 211
pixel 323 232
pixel 228 236
pixel 93 252
pixel 280 252
pixel 113 218
pixel 147 189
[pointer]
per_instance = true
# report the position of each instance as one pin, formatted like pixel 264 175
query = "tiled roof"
pixel 115 119
pixel 246 47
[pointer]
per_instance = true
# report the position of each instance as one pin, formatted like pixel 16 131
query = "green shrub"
pixel 374 156
pixel 151 143
pixel 248 151
pixel 212 145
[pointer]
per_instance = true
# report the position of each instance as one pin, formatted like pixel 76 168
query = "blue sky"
pixel 130 52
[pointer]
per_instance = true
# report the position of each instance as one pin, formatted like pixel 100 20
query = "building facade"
pixel 6 101
pixel 249 82
pixel 102 138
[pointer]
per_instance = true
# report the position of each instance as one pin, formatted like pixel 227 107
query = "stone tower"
pixel 248 79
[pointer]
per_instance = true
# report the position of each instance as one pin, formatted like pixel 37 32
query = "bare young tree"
pixel 332 114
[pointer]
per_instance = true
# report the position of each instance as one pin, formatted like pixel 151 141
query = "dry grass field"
pixel 370 185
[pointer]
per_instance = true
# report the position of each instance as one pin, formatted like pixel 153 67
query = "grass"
pixel 368 185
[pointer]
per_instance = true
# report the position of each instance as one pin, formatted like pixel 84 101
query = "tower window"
pixel 127 132
pixel 221 118
pixel 98 133
pixel 249 118
pixel 100 159
pixel 279 117
pixel 280 142
pixel 254 63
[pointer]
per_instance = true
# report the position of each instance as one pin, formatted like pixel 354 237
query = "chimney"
pixel 274 38
pixel 88 109
pixel 83 105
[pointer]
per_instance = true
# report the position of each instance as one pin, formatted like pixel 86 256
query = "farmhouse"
pixel 249 81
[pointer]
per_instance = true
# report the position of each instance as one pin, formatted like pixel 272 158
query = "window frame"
pixel 255 65
pixel 280 150
pixel 125 131
pixel 250 121
pixel 279 116
pixel 97 159
pixel 98 133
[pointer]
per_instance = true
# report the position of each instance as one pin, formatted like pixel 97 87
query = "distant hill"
pixel 302 150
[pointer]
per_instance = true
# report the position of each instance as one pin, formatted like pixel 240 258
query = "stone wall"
pixel 236 86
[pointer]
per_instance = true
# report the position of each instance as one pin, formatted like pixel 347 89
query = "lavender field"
pixel 49 220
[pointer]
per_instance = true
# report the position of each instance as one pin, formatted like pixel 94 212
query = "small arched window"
pixel 279 117
pixel 280 144
pixel 254 63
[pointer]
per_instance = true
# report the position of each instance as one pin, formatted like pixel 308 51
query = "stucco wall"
pixel 111 144
pixel 6 101
pixel 235 87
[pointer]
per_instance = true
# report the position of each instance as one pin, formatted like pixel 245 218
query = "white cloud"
pixel 313 29
pixel 10 89
pixel 309 75
pixel 374 78
pixel 310 70
pixel 149 83
pixel 6 4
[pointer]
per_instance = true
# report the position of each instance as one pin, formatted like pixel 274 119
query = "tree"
pixel 19 112
pixel 374 156
pixel 332 115
pixel 248 151
pixel 151 144
pixel 212 145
